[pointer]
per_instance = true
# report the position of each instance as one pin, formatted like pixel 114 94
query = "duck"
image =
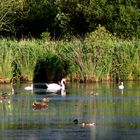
pixel 53 87
pixel 4 96
pixel 121 86
pixel 29 88
pixel 84 124
pixel 94 93
pixel 45 99
pixel 39 105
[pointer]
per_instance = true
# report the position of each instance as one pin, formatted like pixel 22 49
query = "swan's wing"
pixel 53 86
pixel 28 88
pixel 55 91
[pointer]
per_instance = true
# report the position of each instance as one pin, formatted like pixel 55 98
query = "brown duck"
pixel 4 96
pixel 39 105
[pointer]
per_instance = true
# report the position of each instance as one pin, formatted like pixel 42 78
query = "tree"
pixel 6 14
pixel 9 11
pixel 40 18
pixel 72 17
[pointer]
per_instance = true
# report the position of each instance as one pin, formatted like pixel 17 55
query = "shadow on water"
pixel 116 114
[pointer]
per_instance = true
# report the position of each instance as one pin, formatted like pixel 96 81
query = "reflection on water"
pixel 115 113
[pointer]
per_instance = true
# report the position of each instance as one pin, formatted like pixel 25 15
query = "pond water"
pixel 116 113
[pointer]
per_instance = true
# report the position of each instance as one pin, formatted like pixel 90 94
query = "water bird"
pixel 46 99
pixel 14 87
pixel 4 96
pixel 53 87
pixel 121 86
pixel 39 105
pixel 94 93
pixel 29 88
pixel 84 124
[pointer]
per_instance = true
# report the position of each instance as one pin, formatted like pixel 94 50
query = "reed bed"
pixel 100 56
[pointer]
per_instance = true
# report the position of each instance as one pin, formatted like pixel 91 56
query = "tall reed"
pixel 126 60
pixel 5 58
pixel 100 45
pixel 23 53
pixel 100 56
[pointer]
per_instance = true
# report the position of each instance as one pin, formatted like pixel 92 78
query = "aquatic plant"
pixel 100 56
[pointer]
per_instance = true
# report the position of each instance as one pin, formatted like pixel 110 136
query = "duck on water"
pixel 84 124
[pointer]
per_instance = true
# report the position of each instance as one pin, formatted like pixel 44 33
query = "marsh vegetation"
pixel 100 56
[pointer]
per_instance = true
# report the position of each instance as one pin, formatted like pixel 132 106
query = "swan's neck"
pixel 62 85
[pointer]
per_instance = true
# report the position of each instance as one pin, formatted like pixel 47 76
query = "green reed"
pixel 100 56
pixel 126 60
pixel 5 58
pixel 23 53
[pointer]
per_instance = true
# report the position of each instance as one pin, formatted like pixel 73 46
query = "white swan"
pixel 121 86
pixel 29 88
pixel 53 87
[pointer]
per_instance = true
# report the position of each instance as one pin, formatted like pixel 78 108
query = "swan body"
pixel 29 87
pixel 121 86
pixel 53 87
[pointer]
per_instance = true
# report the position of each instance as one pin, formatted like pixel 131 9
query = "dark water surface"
pixel 116 113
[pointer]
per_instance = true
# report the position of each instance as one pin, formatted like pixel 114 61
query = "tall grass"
pixel 23 54
pixel 100 56
pixel 91 59
pixel 19 58
pixel 6 56
pixel 126 60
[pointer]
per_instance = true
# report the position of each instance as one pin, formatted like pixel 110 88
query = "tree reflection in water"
pixel 116 115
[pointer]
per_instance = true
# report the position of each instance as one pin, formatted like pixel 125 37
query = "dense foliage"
pixel 100 56
pixel 88 40
pixel 30 18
